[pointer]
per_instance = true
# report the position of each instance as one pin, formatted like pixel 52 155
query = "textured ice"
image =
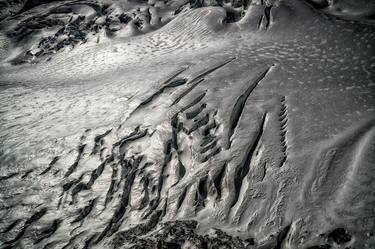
pixel 187 124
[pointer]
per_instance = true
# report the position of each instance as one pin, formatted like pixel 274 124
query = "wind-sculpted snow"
pixel 230 124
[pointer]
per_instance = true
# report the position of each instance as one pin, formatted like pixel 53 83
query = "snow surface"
pixel 187 124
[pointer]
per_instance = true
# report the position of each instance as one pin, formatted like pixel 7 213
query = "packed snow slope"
pixel 187 124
